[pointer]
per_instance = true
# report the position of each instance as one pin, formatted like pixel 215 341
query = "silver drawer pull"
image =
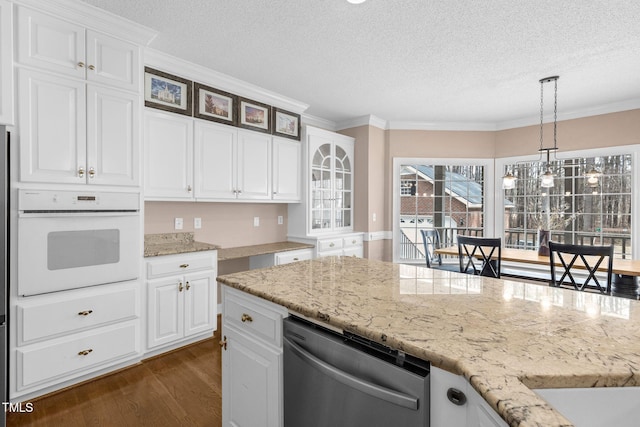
pixel 353 241
pixel 246 318
pixel 184 265
pixel 85 352
pixel 81 64
pixel 85 313
pixel 332 245
pixel 295 259
pixel 188 285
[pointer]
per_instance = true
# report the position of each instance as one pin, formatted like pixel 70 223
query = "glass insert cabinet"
pixel 331 186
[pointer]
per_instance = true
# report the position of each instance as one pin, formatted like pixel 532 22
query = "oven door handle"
pixel 352 381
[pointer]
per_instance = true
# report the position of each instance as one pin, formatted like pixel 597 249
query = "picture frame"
pixel 214 104
pixel 285 123
pixel 167 92
pixel 254 115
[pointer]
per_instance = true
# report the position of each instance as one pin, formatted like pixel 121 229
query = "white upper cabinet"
pixel 330 181
pixel 231 164
pixel 168 156
pixel 79 103
pixel 60 46
pixel 6 64
pixel 287 169
pixel 254 166
pixel 76 134
pixel 215 161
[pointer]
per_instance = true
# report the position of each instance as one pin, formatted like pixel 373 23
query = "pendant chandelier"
pixel 546 180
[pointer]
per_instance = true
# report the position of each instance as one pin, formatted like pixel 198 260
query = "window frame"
pixel 489 195
pixel 633 150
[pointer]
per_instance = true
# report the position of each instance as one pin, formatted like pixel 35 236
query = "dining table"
pixel 625 271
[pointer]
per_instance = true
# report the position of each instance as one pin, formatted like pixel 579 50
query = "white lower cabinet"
pixel 252 384
pixel 345 244
pixel 181 298
pixel 63 337
pixel 280 258
pixel 455 403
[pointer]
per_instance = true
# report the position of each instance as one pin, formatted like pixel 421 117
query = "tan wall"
pixel 375 146
pixel 606 130
pixel 370 179
pixel 225 224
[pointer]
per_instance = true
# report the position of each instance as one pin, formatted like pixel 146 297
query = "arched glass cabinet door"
pixel 321 188
pixel 342 189
pixel 331 188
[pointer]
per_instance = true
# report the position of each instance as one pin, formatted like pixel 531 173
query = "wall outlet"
pixel 374 217
pixel 256 221
pixel 280 220
pixel 178 224
pixel 197 223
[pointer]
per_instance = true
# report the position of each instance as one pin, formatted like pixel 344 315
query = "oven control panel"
pixel 53 200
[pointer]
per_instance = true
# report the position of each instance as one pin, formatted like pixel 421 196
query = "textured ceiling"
pixel 454 63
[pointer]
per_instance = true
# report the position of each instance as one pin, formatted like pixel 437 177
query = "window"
pixel 579 211
pixel 446 195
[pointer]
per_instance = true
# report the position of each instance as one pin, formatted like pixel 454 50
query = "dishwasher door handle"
pixel 354 382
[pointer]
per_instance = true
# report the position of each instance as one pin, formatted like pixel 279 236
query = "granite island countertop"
pixel 505 337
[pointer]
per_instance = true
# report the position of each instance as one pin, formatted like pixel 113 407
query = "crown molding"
pixel 319 122
pixel 614 107
pixel 186 69
pixel 94 18
pixel 369 120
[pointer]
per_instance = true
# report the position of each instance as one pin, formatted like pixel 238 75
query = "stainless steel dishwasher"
pixel 343 380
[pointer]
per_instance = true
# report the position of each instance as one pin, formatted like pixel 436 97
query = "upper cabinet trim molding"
pixel 94 18
pixel 200 74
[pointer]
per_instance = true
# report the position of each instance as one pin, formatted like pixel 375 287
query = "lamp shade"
pixel 508 181
pixel 546 180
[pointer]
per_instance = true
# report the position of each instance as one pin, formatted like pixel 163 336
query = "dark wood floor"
pixel 181 388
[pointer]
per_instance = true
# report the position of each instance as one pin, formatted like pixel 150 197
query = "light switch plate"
pixel 197 223
pixel 178 224
pixel 280 220
pixel 256 221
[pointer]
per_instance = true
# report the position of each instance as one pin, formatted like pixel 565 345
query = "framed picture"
pixel 213 104
pixel 285 123
pixel 167 92
pixel 254 115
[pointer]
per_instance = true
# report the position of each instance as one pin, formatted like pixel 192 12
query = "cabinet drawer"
pixel 180 264
pixel 352 241
pixel 293 256
pixel 47 316
pixel 254 318
pixel 39 363
pixel 329 244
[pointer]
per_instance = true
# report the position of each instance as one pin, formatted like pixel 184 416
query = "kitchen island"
pixel 505 337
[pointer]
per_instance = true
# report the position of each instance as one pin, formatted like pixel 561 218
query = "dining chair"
pixel 581 258
pixel 431 242
pixel 482 255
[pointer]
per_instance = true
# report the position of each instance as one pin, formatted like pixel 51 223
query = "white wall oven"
pixel 70 239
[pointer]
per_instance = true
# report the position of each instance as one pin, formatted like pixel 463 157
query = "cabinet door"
pixel 113 61
pixel 442 411
pixel 251 378
pixel 168 156
pixel 165 311
pixel 50 43
pixel 254 166
pixel 342 195
pixel 6 64
pixel 113 148
pixel 200 303
pixel 287 162
pixel 52 127
pixel 215 161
